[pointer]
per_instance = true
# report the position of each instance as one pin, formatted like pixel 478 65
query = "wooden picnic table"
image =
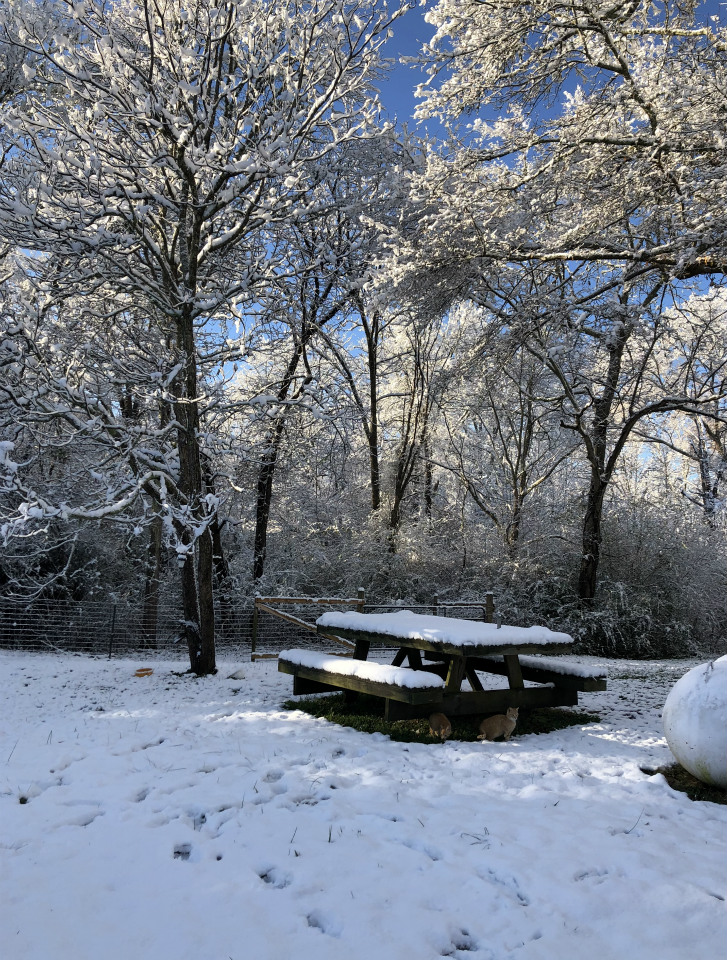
pixel 454 650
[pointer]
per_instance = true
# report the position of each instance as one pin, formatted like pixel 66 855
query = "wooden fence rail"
pixel 265 605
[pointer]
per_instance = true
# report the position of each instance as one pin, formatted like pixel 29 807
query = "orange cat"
pixel 501 725
pixel 439 726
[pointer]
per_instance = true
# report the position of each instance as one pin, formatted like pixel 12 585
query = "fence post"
pixel 489 608
pixel 253 645
pixel 361 599
pixel 113 627
pixel 435 598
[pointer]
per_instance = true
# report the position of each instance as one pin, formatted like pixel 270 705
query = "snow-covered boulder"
pixel 695 722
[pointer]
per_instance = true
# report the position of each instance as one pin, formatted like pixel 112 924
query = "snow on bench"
pixel 326 671
pixel 380 672
pixel 559 665
pixel 558 671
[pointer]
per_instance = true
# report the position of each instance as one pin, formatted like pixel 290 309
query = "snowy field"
pixel 171 818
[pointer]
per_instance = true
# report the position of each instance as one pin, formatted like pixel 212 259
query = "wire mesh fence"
pixel 116 628
pixel 108 627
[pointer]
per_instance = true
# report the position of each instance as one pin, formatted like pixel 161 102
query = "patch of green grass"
pixel 367 715
pixel 680 779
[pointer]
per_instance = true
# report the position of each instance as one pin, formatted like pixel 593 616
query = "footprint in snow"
pixel 460 942
pixel 596 875
pixel 277 878
pixel 508 883
pixel 337 783
pixel 272 776
pixel 40 786
pixel 84 818
pixel 198 818
pixel 305 800
pixel 63 763
pixel 147 745
pixel 424 848
pixel 319 921
pixel 182 851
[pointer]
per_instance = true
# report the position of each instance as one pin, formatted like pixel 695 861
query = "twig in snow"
pixel 477 838
pixel 637 821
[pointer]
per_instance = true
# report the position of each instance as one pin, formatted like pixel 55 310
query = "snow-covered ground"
pixel 171 818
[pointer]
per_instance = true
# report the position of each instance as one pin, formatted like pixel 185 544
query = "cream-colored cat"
pixel 501 725
pixel 439 726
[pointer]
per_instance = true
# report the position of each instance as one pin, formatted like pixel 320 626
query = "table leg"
pixel 455 675
pixel 514 671
pixel 408 653
pixel 361 650
pixel 415 658
pixel 474 680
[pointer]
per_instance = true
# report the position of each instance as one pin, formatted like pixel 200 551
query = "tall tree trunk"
pixel 197 568
pixel 205 574
pixel 428 484
pixel 374 468
pixel 591 543
pixel 264 498
pixel 512 530
pixel 413 432
pixel 220 565
pixel 150 609
pixel 226 604
pixel 395 511
pixel 372 332
pixel 428 466
pixel 520 475
pixel 270 459
pixel 198 607
pixel 408 453
pixel 709 485
pixel 369 421
pixel 601 471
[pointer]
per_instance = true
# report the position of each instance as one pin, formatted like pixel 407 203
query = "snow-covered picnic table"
pixel 455 650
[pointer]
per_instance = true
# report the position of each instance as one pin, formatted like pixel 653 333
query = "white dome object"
pixel 695 722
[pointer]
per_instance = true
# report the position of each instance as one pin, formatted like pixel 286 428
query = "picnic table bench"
pixel 319 672
pixel 455 650
pixel 570 676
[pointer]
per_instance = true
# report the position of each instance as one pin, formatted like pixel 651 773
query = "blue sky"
pixel 397 93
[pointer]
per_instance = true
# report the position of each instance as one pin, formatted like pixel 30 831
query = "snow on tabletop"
pixel 365 669
pixel 405 625
pixel 172 817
